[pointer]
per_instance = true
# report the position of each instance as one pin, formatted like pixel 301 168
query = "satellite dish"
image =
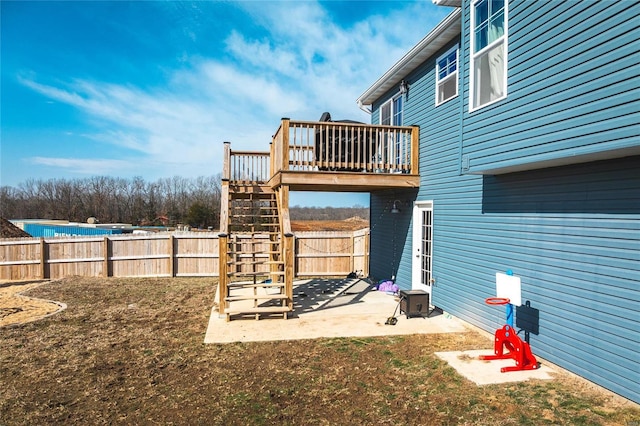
pixel 92 220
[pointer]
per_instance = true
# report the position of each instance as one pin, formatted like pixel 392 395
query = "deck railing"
pixel 344 146
pixel 241 167
pixel 245 166
pixel 327 146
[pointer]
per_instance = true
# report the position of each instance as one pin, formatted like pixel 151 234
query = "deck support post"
pixel 223 280
pixel 415 150
pixel 288 267
pixel 224 193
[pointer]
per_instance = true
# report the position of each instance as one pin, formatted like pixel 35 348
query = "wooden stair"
pixel 255 268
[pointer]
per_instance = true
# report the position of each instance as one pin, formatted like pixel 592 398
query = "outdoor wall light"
pixel 404 87
pixel 395 209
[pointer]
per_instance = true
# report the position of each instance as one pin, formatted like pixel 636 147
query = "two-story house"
pixel 529 161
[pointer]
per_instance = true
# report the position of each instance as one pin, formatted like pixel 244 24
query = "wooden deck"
pixel 330 156
pixel 303 156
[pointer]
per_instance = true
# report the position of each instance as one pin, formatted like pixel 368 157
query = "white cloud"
pixel 83 166
pixel 261 54
pixel 305 66
pixel 247 91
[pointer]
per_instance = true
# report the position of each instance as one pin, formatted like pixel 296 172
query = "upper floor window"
pixel 488 52
pixel 447 76
pixel 391 150
pixel 391 112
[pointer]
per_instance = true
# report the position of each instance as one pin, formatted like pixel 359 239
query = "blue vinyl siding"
pixel 573 88
pixel 570 232
pixel 390 237
pixel 581 270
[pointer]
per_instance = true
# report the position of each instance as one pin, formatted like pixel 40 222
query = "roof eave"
pixel 444 32
pixel 451 3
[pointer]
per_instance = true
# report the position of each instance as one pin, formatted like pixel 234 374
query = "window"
pixel 391 112
pixel 397 111
pixel 447 76
pixel 488 52
pixel 393 149
pixel 397 121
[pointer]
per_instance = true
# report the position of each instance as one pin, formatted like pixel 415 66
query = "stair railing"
pixel 249 167
pixel 238 167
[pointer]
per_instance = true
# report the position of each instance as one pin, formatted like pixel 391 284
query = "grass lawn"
pixel 130 351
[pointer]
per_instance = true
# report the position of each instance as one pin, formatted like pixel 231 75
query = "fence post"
pixel 172 256
pixel 352 261
pixel 367 236
pixel 43 259
pixel 105 253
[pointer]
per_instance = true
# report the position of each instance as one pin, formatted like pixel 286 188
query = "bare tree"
pixel 112 199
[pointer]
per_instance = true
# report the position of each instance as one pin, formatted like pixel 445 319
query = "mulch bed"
pixel 16 307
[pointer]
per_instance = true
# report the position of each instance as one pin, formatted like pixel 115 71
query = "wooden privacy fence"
pixel 192 254
pixel 331 253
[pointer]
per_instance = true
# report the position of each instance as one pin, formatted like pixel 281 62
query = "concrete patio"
pixel 331 308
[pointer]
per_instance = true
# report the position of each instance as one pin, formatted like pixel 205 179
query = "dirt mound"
pixel 9 230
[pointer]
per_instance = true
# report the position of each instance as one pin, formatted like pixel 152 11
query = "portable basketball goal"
pixel 507 343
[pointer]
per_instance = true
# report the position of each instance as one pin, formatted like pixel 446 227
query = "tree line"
pixel 166 201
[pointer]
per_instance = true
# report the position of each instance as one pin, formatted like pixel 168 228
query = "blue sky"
pixel 153 89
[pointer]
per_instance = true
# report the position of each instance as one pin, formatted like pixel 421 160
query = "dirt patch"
pixel 130 351
pixel 351 224
pixel 16 307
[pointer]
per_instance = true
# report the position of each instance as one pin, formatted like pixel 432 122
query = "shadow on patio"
pixel 325 293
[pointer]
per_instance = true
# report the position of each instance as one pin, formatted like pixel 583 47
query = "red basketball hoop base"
pixel 519 351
